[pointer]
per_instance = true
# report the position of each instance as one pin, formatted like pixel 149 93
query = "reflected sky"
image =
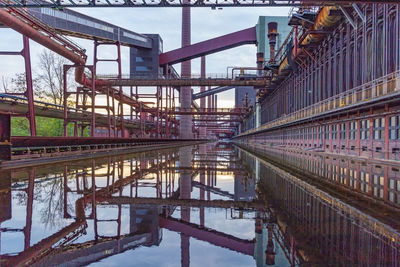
pixel 203 205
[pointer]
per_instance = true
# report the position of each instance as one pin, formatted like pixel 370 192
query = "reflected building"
pixel 245 187
pixel 112 209
pixel 144 219
pixel 5 196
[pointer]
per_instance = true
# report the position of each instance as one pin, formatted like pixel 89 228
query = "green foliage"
pixel 19 126
pixel 44 127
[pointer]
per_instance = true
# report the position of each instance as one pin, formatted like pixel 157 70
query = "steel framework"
pixel 180 3
pixel 341 92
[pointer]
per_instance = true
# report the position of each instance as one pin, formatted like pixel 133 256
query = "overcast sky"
pixel 206 24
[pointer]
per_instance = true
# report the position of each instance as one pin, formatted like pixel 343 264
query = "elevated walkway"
pixel 72 23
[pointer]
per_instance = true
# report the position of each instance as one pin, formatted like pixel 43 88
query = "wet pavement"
pixel 204 205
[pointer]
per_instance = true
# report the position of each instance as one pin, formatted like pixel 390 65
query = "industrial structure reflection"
pixel 102 207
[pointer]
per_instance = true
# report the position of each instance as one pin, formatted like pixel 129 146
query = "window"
pixel 352 130
pixel 364 129
pixel 343 175
pixel 143 68
pixel 134 36
pixel 394 187
pixel 364 181
pixel 343 131
pixel 377 185
pixel 327 133
pixel 320 132
pixel 77 19
pixel 334 131
pixel 379 128
pixel 353 178
pixel 394 127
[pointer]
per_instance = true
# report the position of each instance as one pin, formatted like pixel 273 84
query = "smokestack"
pixel 186 124
pixel 272 34
pixel 260 64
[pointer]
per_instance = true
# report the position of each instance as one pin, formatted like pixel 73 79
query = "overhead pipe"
pixel 25 29
pixel 327 17
pixel 79 60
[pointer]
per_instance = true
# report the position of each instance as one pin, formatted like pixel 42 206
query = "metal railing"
pixel 383 87
pixel 245 74
pixel 47 106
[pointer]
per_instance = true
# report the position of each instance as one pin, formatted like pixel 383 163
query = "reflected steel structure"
pixel 346 235
pixel 83 180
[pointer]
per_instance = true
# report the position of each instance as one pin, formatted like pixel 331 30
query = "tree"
pixel 18 85
pixel 51 76
pixel 5 84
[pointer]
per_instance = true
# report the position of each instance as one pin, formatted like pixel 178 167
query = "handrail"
pixel 57 107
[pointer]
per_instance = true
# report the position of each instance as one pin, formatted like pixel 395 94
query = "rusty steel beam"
pixel 221 113
pixel 226 204
pixel 188 82
pixel 217 120
pixel 198 3
pixel 24 141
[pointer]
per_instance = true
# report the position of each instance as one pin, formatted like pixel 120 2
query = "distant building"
pixel 144 62
pixel 240 95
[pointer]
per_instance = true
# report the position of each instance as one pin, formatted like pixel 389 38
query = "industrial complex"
pixel 303 167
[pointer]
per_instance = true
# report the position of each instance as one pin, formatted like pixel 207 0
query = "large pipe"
pixel 25 29
pixel 326 18
pixel 79 60
pixel 35 35
pixel 272 34
pixel 260 64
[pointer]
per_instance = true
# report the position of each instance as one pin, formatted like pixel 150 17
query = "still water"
pixel 204 205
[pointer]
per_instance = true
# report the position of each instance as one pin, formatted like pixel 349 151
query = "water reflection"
pixel 203 205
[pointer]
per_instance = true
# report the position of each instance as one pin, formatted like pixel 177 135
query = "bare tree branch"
pixel 51 75
pixel 5 84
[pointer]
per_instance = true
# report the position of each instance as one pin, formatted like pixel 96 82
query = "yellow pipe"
pixel 324 20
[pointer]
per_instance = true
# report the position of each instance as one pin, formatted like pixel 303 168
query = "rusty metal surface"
pixel 20 141
pixel 198 3
pixel 187 82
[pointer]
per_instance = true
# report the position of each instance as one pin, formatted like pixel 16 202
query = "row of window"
pixel 375 185
pixel 134 36
pixel 76 19
pixel 340 130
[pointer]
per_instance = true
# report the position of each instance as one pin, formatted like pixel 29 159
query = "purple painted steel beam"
pixel 208 235
pixel 247 36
